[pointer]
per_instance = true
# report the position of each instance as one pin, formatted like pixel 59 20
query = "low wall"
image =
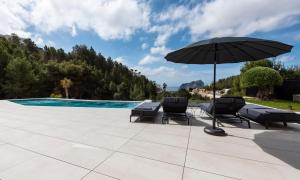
pixel 285 91
pixel 296 97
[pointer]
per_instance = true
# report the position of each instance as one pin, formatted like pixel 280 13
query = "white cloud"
pixel 121 60
pixel 149 59
pixel 74 31
pixel 285 58
pixel 145 46
pixel 164 32
pixel 159 71
pixel 13 16
pixel 172 75
pixel 110 19
pixel 37 38
pixel 176 14
pixel 223 18
pixel 229 17
pixel 50 43
pixel 160 50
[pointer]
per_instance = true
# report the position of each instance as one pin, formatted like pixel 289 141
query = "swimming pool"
pixel 77 103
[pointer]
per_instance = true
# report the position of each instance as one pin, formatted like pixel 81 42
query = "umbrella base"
pixel 214 131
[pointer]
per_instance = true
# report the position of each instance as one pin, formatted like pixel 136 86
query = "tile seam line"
pixel 72 141
pixel 252 146
pixel 50 157
pixel 6 169
pixel 145 156
pixel 212 173
pixel 105 159
pixel 41 154
pixel 93 170
pixel 236 157
pixel 84 133
pixel 186 152
pixel 152 159
pixel 132 138
pixel 63 139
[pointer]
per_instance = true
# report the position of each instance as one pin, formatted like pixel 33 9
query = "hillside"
pixel 29 71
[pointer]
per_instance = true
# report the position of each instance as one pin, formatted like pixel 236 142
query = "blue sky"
pixel 139 33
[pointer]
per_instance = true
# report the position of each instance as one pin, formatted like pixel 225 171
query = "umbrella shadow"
pixel 228 121
pixel 282 145
pixel 201 121
pixel 158 120
pixel 149 120
pixel 276 126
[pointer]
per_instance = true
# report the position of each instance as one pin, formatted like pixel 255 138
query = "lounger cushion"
pixel 244 110
pixel 146 109
pixel 175 104
pixel 261 114
pixel 226 105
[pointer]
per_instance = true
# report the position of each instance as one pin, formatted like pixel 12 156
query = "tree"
pixel 226 82
pixel 123 90
pixel 66 84
pixel 29 71
pixel 19 79
pixel 260 63
pixel 183 93
pixel 263 78
pixel 164 87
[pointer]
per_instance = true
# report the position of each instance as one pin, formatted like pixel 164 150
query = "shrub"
pixel 56 95
pixel 179 93
pixel 198 97
pixel 263 78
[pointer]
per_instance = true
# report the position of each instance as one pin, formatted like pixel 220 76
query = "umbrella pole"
pixel 214 95
pixel 216 131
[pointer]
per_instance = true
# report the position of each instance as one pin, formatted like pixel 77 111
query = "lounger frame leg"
pixel 164 118
pixel 267 124
pixel 244 119
pixel 284 124
pixel 188 119
pixel 249 124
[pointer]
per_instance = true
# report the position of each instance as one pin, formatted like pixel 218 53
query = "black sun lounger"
pixel 225 106
pixel 265 115
pixel 146 109
pixel 174 107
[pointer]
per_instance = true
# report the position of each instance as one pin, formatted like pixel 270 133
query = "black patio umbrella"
pixel 226 50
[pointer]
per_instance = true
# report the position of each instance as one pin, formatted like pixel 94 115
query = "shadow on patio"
pixel 282 145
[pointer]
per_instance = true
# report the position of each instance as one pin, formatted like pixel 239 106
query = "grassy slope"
pixel 280 104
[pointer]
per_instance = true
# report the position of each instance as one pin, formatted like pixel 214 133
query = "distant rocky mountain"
pixel 192 85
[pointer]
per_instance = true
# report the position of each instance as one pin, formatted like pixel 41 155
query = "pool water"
pixel 77 103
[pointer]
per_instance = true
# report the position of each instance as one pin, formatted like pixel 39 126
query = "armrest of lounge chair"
pixel 147 109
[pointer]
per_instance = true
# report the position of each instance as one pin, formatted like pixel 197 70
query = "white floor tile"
pixel 170 154
pixel 82 155
pixel 97 176
pixel 127 167
pixel 238 168
pixel 11 156
pixel 44 168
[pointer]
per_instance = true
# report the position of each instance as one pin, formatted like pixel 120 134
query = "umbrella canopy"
pixel 226 50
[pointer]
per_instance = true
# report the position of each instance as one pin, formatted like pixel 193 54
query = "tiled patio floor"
pixel 56 143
